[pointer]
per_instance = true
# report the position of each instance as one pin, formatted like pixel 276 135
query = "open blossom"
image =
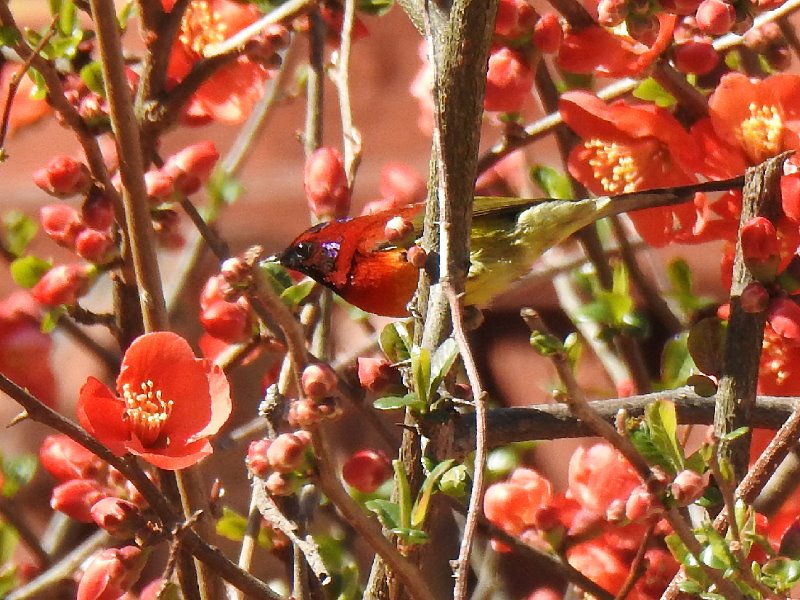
pixel 229 94
pixel 633 147
pixel 600 477
pixel 167 403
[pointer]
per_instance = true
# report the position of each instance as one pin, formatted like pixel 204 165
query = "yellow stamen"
pixel 201 26
pixel 146 411
pixel 761 134
pixel 614 166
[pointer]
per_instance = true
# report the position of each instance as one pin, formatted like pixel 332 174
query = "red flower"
pixel 595 50
pixel 632 147
pixel 230 93
pixel 762 118
pixel 168 403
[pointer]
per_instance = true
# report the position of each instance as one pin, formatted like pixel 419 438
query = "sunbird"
pixel 352 257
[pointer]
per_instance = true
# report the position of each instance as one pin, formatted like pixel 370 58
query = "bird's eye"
pixel 304 250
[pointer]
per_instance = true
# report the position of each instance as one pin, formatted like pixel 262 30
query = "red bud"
pixel 63 177
pixel 366 470
pixel 66 459
pixel 319 380
pixel 76 497
pixel 117 516
pixel 548 34
pixel 509 80
pixel 715 17
pixel 784 318
pixel 61 223
pixel 695 56
pixel 325 183
pixel 63 284
pixel 111 573
pixel 287 452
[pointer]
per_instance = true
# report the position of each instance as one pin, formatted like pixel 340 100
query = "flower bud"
pixel 755 298
pixel 94 246
pixel 548 34
pixel 515 19
pixel 97 211
pixel 281 484
pixel 76 497
pixel 784 318
pixel 319 380
pixel 287 452
pixel 680 7
pixel 695 56
pixel 687 487
pixel 715 17
pixel 61 223
pixel 325 183
pixel 227 321
pixel 111 573
pixel 160 186
pixel 191 167
pixel 66 459
pixel 366 470
pixel 117 516
pixel 400 184
pixel 257 460
pixel 235 271
pixel 417 256
pixel 508 81
pixel 63 284
pixel 761 247
pixel 63 177
pixel 377 374
pixel 641 504
pixel 760 38
pixel 303 413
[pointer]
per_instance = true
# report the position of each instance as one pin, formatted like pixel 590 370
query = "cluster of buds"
pixel 110 573
pixel 71 229
pixel 282 462
pixel 319 382
pixel 325 184
pixel 379 376
pixel 223 313
pixel 64 284
pixel 89 490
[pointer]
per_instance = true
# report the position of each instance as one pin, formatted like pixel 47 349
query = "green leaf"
pixel 51 317
pixel 420 510
pixel 388 513
pixel 9 540
pixel 395 402
pixel 92 76
pixel 231 525
pixel 411 536
pixel 662 422
pixel 442 361
pixel 403 494
pixel 19 230
pixel 28 270
pixel 421 373
pixel 125 14
pixel 295 294
pixel 39 90
pixel 676 362
pixel 706 344
pixel 8 579
pixel 9 36
pixel 455 482
pixel 652 91
pixel 223 189
pixel 374 7
pixel 67 17
pixel 553 183
pixel 277 276
pixel 680 276
pixel 395 342
pixel 18 471
pixel 735 434
pixel 545 344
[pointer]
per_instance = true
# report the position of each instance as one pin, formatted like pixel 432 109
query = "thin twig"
pixel 638 565
pixel 351 137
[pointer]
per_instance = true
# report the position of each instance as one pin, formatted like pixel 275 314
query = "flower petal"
pixel 100 412
pixel 221 404
pixel 167 360
pixel 173 456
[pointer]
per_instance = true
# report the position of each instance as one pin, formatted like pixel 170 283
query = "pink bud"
pixel 303 413
pixel 755 298
pixel 227 321
pixel 287 452
pixel 319 380
pixel 66 459
pixel 715 17
pixel 94 246
pixel 76 497
pixel 63 177
pixel 761 247
pixel 160 186
pixel 399 231
pixel 61 223
pixel 281 484
pixel 257 460
pixel 508 81
pixel 63 284
pixel 417 256
pixel 325 183
pixel 366 470
pixel 695 56
pixel 192 166
pixel 377 374
pixel 400 184
pixel 548 34
pixel 687 487
pixel 515 18
pixel 784 318
pixel 97 211
pixel 117 516
pixel 111 573
pixel 641 504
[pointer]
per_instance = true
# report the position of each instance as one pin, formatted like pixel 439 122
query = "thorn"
pixel 18 419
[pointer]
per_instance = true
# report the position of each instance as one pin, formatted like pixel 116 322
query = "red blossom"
pixel 167 403
pixel 366 470
pixel 231 92
pixel 595 50
pixel 111 573
pixel 600 477
pixel 632 147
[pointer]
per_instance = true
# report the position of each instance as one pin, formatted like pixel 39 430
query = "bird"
pixel 352 256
